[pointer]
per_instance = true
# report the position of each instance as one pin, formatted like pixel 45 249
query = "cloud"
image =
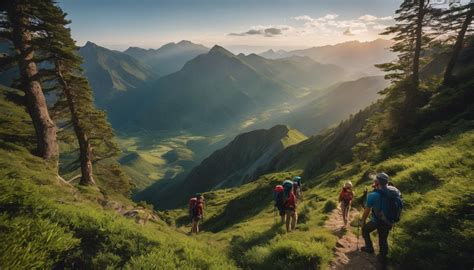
pixel 267 31
pixel 379 26
pixel 309 19
pixel 273 31
pixel 328 25
pixel 329 17
pixel 386 18
pixel 303 18
pixel 348 32
pixel 367 18
pixel 371 18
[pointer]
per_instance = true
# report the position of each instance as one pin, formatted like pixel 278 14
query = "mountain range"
pixel 217 89
pixel 168 58
pixel 112 72
pixel 355 56
pixel 296 71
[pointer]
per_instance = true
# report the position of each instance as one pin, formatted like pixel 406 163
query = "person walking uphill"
pixel 290 206
pixel 345 199
pixel 384 205
pixel 196 211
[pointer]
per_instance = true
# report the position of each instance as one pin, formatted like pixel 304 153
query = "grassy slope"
pixel 434 179
pixel 47 224
pixel 242 222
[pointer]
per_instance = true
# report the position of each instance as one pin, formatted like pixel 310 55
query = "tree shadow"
pixel 240 208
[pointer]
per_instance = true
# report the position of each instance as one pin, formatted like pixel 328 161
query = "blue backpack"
pixel 287 186
pixel 394 203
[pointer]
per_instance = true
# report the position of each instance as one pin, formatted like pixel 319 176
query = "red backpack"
pixel 346 195
pixel 192 205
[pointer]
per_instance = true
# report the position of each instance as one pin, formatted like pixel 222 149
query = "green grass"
pixel 435 182
pixel 242 222
pixel 45 223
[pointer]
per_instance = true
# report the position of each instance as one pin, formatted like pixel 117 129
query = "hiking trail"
pixel 346 255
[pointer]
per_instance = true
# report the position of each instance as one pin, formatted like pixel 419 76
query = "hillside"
pixel 322 152
pixel 432 168
pixel 211 91
pixel 233 165
pixel 340 101
pixel 296 71
pixel 244 219
pixel 75 195
pixel 431 162
pixel 112 72
pixel 140 170
pixel 48 224
pixel 169 58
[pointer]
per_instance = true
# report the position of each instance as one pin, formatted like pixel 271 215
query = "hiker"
pixel 297 187
pixel 279 203
pixel 384 204
pixel 196 211
pixel 345 200
pixel 291 216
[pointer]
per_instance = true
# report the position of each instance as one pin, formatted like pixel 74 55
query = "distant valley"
pixel 173 106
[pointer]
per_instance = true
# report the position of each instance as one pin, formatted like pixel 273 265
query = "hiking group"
pixel 382 206
pixel 286 198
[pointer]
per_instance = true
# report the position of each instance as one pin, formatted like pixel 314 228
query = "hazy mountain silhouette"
pixel 297 71
pixel 170 57
pixel 212 90
pixel 110 72
pixel 355 56
pixel 341 101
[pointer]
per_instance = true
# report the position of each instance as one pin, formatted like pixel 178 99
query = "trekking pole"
pixel 393 233
pixel 358 226
pixel 274 216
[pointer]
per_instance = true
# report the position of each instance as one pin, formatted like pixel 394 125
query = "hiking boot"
pixel 368 250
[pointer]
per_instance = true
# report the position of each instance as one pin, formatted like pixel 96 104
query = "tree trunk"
pixel 45 128
pixel 85 149
pixel 448 74
pixel 416 57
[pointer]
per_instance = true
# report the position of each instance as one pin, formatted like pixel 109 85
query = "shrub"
pixel 288 254
pixel 329 206
pixel 179 258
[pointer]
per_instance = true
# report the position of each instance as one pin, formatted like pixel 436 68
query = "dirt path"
pixel 346 255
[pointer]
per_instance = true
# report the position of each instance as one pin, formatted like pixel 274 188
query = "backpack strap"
pixel 381 218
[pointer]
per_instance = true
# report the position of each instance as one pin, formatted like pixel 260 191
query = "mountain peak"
pixel 90 44
pixel 220 50
pixel 185 42
pixel 279 129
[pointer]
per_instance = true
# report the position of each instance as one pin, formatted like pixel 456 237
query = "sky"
pixel 239 25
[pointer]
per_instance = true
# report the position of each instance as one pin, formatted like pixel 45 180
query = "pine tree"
pixel 18 26
pixel 410 43
pixel 456 22
pixel 90 125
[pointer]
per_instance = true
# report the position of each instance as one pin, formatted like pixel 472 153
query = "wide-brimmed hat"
pixel 348 184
